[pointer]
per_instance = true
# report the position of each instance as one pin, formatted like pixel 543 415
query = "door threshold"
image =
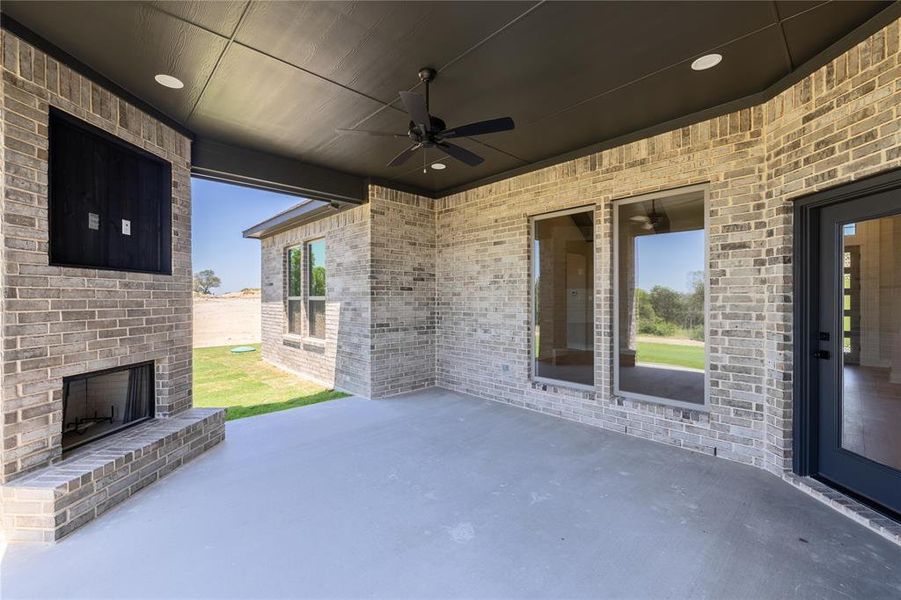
pixel 848 506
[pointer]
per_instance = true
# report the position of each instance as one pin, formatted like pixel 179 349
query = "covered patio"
pixel 480 268
pixel 439 494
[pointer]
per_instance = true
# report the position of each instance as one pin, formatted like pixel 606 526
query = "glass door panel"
pixel 857 348
pixel 870 314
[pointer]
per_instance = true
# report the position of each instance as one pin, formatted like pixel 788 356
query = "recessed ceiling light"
pixel 439 166
pixel 708 61
pixel 169 81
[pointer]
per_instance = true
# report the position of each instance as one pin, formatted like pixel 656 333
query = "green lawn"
pixel 671 354
pixel 247 386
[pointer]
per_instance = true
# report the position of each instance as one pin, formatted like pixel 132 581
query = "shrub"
pixel 657 327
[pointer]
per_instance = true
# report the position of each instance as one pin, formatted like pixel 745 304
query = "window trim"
pixel 288 297
pixel 562 383
pixel 705 189
pixel 308 297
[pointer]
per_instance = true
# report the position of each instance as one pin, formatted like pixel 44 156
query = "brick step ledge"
pixel 47 504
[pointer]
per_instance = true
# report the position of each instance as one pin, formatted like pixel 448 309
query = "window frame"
pixel 288 297
pixel 662 195
pixel 562 383
pixel 307 288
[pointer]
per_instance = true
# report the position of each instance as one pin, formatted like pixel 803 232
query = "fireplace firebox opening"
pixel 101 403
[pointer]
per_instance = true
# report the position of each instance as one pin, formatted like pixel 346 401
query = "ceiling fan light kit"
pixel 654 221
pixel 428 131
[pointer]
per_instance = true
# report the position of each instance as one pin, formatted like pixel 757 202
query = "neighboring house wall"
pixel 342 358
pixel 60 321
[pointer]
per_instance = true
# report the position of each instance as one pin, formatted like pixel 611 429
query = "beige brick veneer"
pixel 838 124
pixel 60 321
pixel 403 292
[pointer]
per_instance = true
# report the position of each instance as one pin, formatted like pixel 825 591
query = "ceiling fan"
pixel 653 221
pixel 428 131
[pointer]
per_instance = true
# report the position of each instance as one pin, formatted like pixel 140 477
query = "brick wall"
pixel 380 297
pixel 403 292
pixel 61 321
pixel 839 124
pixel 342 359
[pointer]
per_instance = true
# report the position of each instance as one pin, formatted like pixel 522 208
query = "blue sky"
pixel 221 213
pixel 667 259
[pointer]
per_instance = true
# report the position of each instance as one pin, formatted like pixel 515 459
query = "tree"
pixel 667 303
pixel 205 281
pixel 649 323
pixel 694 304
pixel 665 312
pixel 318 283
pixel 646 312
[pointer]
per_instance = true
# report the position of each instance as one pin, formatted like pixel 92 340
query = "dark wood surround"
pixel 98 183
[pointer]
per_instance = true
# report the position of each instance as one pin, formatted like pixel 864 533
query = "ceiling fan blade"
pixel 404 156
pixel 461 154
pixel 648 226
pixel 640 218
pixel 415 105
pixel 480 128
pixel 374 133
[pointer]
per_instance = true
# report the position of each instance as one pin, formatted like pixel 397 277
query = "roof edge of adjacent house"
pixel 302 212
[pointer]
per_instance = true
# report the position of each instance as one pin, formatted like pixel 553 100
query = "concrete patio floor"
pixel 442 495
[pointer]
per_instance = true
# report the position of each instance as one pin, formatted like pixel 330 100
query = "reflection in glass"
pixel 317 268
pixel 317 318
pixel 294 318
pixel 563 292
pixel 294 287
pixel 316 288
pixel 294 272
pixel 871 339
pixel 661 297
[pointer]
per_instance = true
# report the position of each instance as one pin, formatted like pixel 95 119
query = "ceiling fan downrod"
pixel 427 75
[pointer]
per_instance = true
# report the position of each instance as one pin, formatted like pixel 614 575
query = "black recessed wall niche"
pixel 110 202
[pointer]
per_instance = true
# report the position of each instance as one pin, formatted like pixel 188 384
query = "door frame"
pixel 805 310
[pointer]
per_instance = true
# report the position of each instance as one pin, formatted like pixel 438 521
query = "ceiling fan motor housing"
pixel 427 138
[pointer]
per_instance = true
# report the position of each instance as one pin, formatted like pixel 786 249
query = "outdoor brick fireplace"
pixel 95 376
pixel 102 403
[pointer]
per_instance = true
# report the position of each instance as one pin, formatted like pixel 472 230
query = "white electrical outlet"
pixel 126 227
pixel 93 221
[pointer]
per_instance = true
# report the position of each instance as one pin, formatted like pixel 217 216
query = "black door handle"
pixel 824 354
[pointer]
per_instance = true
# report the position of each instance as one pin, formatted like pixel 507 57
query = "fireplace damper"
pixel 103 402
